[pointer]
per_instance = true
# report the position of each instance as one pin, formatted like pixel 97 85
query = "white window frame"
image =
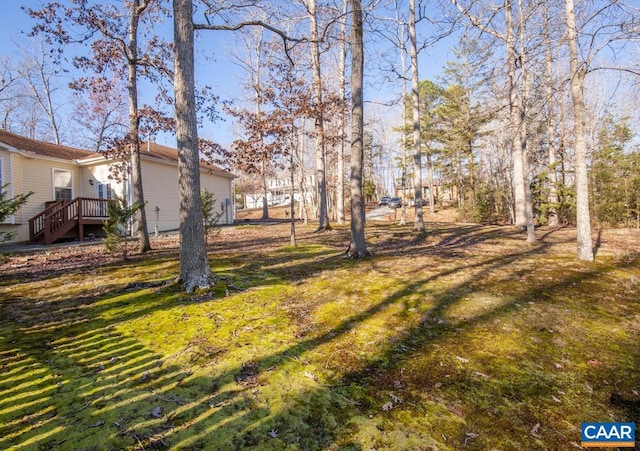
pixel 108 190
pixel 53 182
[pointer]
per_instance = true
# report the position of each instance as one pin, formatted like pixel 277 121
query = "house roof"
pixel 45 149
pixel 42 148
pixel 168 154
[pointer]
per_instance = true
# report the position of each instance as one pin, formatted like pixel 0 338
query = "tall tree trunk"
pixel 578 73
pixel 134 122
pixel 343 121
pixel 552 199
pixel 405 125
pixel 358 245
pixel 292 205
pixel 321 175
pixel 265 193
pixel 515 124
pixel 194 265
pixel 432 199
pixel 257 85
pixel 415 96
pixel 524 127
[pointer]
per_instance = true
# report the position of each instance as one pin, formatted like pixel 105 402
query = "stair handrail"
pixel 37 223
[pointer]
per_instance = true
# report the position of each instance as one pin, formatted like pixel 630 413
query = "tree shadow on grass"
pixel 83 383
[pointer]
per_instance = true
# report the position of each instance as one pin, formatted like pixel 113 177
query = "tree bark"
pixel 194 265
pixel 515 123
pixel 524 128
pixel 343 122
pixel 134 122
pixel 552 215
pixel 578 72
pixel 358 245
pixel 321 176
pixel 418 224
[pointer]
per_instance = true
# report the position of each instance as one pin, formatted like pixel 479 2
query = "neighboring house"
pixel 279 191
pixel 443 194
pixel 72 188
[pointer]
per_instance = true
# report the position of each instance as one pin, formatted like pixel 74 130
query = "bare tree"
pixel 358 245
pixel 342 117
pixel 578 73
pixel 194 265
pixel 552 215
pixel 102 113
pixel 418 224
pixel 41 80
pixel 252 155
pixel 114 39
pixel 518 135
pixel 321 175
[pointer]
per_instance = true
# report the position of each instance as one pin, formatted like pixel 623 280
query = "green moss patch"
pixel 464 338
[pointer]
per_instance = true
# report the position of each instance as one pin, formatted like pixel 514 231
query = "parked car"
pixel 395 202
pixel 384 200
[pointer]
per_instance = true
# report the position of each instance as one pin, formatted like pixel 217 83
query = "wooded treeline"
pixel 530 123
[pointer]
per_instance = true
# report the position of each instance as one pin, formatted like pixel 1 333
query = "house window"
pixel 103 191
pixel 62 184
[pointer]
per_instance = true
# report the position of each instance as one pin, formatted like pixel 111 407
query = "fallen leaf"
pixel 594 362
pixel 557 365
pixel 438 385
pixel 310 375
pixel 462 359
pixel 556 399
pixel 478 373
pixel 387 406
pixel 535 429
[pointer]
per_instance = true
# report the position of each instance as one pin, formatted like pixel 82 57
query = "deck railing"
pixel 60 217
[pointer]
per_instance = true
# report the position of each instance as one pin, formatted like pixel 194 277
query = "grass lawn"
pixel 467 337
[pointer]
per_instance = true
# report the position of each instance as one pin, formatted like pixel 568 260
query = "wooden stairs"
pixel 61 217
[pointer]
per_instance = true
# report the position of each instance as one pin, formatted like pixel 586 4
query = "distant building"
pixel 279 191
pixel 442 193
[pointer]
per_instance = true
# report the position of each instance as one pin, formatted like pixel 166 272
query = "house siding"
pixel 160 178
pixel 161 190
pixel 39 180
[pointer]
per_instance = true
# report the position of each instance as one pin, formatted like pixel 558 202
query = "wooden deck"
pixel 60 217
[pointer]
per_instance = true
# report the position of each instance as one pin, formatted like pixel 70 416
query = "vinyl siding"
pixel 160 180
pixel 161 190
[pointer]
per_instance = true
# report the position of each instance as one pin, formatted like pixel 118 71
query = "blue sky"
pixel 214 66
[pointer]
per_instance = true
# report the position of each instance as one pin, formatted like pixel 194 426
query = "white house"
pixel 72 187
pixel 279 191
